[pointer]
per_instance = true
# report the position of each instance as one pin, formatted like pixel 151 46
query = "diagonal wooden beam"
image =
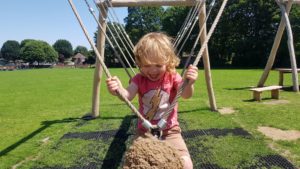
pixel 130 3
pixel 294 1
pixel 274 49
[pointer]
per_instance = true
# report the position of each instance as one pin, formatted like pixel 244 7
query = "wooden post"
pixel 206 61
pixel 281 78
pixel 294 1
pixel 98 69
pixel 291 47
pixel 275 94
pixel 274 48
pixel 257 95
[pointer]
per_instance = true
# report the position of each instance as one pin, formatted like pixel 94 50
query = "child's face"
pixel 153 72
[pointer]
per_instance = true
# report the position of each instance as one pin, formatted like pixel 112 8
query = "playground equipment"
pixel 285 7
pixel 155 130
pixel 204 37
pixel 101 40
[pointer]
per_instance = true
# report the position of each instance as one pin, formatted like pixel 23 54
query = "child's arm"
pixel 114 84
pixel 192 75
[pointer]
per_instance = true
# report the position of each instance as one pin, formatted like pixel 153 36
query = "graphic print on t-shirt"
pixel 155 103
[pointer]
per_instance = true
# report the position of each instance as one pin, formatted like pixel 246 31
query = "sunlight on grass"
pixel 46 104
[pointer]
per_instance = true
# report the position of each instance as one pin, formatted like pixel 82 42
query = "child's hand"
pixel 113 84
pixel 191 74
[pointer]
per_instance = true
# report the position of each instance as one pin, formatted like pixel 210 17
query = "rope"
pixel 183 25
pixel 183 85
pixel 106 71
pixel 118 35
pixel 126 37
pixel 212 4
pixel 123 32
pixel 109 41
pixel 194 14
pixel 187 37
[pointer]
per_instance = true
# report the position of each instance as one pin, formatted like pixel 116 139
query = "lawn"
pixel 41 125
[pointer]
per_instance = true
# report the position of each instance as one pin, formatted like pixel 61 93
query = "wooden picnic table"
pixel 282 71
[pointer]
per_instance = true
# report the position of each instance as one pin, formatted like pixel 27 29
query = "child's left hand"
pixel 191 74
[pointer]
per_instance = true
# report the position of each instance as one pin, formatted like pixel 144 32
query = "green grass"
pixel 48 103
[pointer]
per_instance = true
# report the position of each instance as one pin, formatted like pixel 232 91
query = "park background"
pixel 41 109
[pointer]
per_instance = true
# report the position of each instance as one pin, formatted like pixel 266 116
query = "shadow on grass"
pixel 117 147
pixel 194 110
pixel 289 88
pixel 240 88
pixel 45 125
pixel 253 100
pixel 216 132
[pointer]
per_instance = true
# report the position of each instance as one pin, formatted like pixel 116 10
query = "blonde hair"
pixel 155 48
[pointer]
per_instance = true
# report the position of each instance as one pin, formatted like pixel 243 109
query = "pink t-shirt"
pixel 156 96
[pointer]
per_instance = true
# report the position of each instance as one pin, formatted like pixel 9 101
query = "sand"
pixel 148 152
pixel 278 134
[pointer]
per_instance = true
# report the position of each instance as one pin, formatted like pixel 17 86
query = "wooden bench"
pixel 274 92
pixel 282 71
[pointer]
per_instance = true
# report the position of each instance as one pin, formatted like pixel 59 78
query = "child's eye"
pixel 159 66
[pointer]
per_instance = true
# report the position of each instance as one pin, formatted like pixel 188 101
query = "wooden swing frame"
pixel 284 23
pixel 130 3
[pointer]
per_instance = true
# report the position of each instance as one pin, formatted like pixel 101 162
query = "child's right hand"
pixel 113 84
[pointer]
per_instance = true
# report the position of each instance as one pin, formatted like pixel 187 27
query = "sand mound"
pixel 149 153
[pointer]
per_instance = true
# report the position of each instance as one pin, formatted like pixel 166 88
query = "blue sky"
pixel 47 20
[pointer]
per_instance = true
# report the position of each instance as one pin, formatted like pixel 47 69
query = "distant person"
pixel 157 85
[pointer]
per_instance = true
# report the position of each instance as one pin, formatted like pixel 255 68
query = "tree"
pixel 10 50
pixel 64 49
pixel 23 42
pixel 282 57
pixel 39 51
pixel 173 19
pixel 51 54
pixel 244 34
pixel 172 22
pixel 142 20
pixel 81 49
pixel 91 57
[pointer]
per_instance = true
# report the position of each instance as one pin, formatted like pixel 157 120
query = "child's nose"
pixel 154 70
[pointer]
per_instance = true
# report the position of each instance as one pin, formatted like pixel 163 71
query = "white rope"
pixel 211 5
pixel 191 29
pixel 189 23
pixel 121 28
pixel 117 29
pixel 109 41
pixel 190 17
pixel 106 71
pixel 186 81
pixel 183 25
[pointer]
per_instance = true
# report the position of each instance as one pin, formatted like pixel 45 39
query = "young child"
pixel 157 85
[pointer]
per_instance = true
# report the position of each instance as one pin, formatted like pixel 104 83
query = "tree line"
pixel 243 38
pixel 31 51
